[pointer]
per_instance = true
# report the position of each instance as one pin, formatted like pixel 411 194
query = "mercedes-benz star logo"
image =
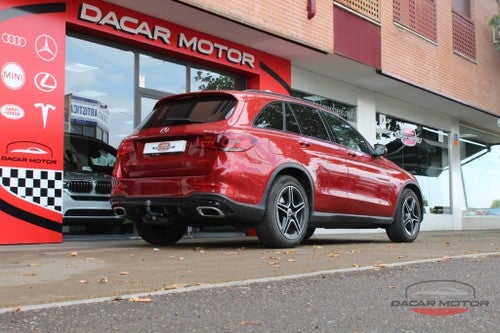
pixel 46 47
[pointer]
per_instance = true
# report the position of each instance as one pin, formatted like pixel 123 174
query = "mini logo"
pixel 45 82
pixel 13 76
pixel 164 130
pixel 12 111
pixel 45 108
pixel 46 47
pixel 13 40
pixel 440 298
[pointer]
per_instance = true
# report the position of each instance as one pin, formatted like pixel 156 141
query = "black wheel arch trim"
pixel 309 188
pixel 415 187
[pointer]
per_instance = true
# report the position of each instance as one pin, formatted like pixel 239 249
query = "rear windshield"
pixel 190 110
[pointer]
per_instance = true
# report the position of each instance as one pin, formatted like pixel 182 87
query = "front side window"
pixel 423 151
pixel 345 135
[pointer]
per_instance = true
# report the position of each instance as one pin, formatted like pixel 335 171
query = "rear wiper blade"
pixel 180 121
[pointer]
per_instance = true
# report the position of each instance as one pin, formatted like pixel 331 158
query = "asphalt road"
pixel 341 283
pixel 360 300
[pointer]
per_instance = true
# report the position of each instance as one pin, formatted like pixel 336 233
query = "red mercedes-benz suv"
pixel 279 164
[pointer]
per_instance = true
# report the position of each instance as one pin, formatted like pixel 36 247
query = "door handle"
pixel 304 144
pixel 351 154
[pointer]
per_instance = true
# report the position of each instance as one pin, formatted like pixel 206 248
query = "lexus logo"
pixel 13 40
pixel 46 47
pixel 45 82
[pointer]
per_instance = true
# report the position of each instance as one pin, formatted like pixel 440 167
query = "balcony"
pixel 464 36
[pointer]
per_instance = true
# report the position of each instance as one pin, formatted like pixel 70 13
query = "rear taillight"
pixel 226 142
pixel 126 147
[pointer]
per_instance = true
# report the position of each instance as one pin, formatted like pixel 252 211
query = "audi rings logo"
pixel 14 40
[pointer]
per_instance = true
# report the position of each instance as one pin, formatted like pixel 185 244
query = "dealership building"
pixel 419 76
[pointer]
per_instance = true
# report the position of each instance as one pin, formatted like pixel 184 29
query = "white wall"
pixel 368 104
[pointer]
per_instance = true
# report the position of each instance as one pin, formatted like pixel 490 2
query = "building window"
pixel 464 31
pixel 417 15
pixel 462 7
pixel 480 168
pixel 343 110
pixel 367 8
pixel 423 151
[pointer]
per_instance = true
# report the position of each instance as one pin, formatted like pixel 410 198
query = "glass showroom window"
pixel 99 90
pixel 202 79
pixel 480 161
pixel 423 151
pixel 162 75
pixel 343 110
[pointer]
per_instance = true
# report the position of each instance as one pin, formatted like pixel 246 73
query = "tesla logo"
pixel 46 47
pixel 45 82
pixel 13 40
pixel 13 76
pixel 45 108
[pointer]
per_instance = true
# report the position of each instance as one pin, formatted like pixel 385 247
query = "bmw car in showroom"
pixel 276 163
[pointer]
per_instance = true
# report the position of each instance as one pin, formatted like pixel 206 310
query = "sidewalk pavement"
pixel 106 266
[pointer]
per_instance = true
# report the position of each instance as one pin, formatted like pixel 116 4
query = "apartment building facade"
pixel 418 76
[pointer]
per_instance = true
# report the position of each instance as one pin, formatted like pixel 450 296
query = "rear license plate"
pixel 165 147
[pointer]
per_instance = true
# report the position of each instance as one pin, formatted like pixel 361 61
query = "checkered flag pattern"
pixel 42 187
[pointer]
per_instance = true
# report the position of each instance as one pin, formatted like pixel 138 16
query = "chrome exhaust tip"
pixel 208 211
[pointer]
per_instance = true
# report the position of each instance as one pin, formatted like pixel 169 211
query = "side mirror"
pixel 380 150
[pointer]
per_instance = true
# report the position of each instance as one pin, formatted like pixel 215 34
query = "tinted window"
pixel 345 135
pixel 309 121
pixel 291 122
pixel 190 110
pixel 82 154
pixel 270 117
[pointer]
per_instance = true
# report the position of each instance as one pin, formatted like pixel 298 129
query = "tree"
pixel 495 204
pixel 212 81
pixel 495 23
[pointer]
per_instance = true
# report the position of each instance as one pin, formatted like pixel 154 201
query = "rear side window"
pixel 309 121
pixel 190 110
pixel 270 117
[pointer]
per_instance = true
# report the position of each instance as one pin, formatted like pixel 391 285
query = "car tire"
pixel 407 219
pixel 159 234
pixel 286 216
pixel 309 234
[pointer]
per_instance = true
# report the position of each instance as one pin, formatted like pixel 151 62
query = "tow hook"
pixel 154 216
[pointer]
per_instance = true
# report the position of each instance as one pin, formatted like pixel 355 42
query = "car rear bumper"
pixel 196 210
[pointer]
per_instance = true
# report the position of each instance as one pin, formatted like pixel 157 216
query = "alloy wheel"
pixel 290 212
pixel 411 216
